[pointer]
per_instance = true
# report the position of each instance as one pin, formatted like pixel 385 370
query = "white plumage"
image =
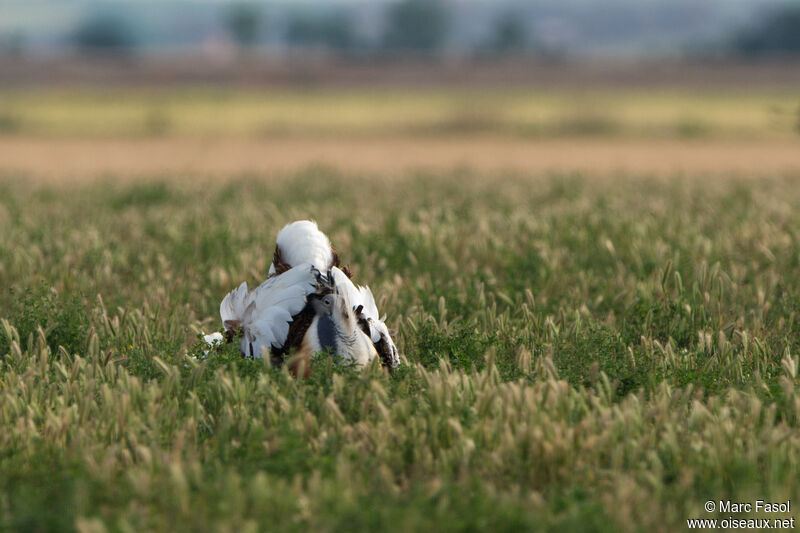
pixel 362 297
pixel 265 313
pixel 233 306
pixel 302 242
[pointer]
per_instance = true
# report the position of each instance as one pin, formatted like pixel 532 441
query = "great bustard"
pixel 308 304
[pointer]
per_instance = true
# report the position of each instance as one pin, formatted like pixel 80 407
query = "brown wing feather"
pixel 382 347
pixel 277 260
pixel 385 353
pixel 362 323
pixel 297 332
pixel 337 263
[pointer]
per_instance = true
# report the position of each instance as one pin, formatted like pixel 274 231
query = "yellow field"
pixel 597 112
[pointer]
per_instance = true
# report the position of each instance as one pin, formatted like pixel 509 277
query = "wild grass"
pixel 581 354
pixel 711 113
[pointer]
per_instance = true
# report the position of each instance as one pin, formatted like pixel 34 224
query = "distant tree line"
pixel 335 32
pixel 104 32
pixel 416 25
pixel 777 34
pixel 243 21
pixel 411 27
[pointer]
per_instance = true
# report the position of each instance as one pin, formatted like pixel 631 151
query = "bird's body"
pixel 299 311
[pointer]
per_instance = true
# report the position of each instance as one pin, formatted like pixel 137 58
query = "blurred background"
pixel 220 31
pixel 274 85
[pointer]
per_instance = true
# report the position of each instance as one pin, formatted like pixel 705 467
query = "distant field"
pixel 666 113
pixel 69 160
pixel 581 354
pixel 82 134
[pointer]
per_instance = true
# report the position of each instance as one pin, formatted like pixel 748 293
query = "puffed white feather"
pixel 289 290
pixel 302 242
pixel 268 328
pixel 233 306
pixel 264 314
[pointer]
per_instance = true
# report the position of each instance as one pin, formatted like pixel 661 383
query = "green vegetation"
pixel 582 354
pixel 536 113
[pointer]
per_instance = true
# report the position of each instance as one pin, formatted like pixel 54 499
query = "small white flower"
pixel 213 340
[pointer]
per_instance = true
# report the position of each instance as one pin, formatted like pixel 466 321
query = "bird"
pixel 299 311
pixel 302 241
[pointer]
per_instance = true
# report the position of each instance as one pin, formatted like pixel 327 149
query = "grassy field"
pixel 581 355
pixel 720 112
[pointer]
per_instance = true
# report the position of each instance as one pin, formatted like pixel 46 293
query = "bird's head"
pixel 334 303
